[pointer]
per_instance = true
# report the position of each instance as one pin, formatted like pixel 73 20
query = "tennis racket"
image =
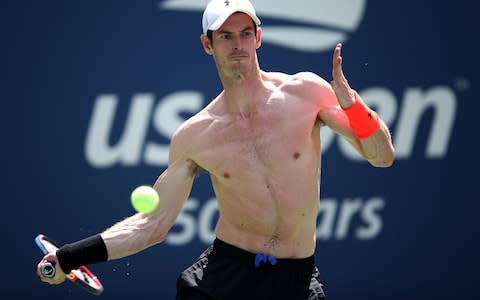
pixel 82 276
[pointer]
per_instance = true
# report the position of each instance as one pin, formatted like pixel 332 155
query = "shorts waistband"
pixel 224 249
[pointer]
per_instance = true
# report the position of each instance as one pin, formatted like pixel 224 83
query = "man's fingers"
pixel 39 272
pixel 337 72
pixel 338 51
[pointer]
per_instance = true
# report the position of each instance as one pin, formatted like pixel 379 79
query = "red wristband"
pixel 363 121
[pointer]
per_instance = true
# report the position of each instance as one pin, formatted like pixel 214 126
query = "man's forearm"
pixel 378 148
pixel 132 235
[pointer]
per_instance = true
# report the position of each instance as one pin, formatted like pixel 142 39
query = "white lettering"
pixel 348 209
pixel 167 119
pixel 364 215
pixel 206 221
pixel 327 212
pixel 184 226
pixel 416 102
pixel 338 220
pixel 170 112
pixel 372 219
pixel 98 152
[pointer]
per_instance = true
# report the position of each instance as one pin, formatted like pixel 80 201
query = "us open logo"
pixel 302 25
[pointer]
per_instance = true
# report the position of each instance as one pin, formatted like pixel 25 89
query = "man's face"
pixel 234 45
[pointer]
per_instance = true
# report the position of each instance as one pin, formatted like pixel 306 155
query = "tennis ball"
pixel 144 199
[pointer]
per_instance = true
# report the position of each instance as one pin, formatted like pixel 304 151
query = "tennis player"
pixel 259 140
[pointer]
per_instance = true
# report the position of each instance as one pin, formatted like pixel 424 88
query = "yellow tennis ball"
pixel 144 199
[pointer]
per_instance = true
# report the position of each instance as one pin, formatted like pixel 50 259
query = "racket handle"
pixel 48 270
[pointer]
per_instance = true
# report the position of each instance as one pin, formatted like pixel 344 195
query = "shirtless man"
pixel 259 140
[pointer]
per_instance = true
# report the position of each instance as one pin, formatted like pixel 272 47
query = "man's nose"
pixel 237 42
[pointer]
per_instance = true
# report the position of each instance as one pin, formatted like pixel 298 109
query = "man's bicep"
pixel 174 186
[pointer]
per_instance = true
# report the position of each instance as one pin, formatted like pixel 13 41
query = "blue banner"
pixel 93 91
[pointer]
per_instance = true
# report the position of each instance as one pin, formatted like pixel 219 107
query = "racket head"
pixel 81 276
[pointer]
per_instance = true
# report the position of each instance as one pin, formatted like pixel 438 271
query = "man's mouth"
pixel 238 55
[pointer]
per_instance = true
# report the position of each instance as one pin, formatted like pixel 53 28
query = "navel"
pixel 226 175
pixel 296 155
pixel 272 242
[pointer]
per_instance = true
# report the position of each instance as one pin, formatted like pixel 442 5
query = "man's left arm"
pixel 371 136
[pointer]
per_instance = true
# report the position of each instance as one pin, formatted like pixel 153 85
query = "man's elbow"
pixel 385 161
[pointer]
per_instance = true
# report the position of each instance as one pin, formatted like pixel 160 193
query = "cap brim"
pixel 220 20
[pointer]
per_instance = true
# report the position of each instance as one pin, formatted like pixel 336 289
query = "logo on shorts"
pixel 303 25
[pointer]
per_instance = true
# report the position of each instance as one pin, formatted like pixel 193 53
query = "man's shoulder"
pixel 189 136
pixel 195 124
pixel 307 88
pixel 310 78
pixel 297 79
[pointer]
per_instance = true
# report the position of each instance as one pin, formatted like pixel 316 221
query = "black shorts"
pixel 225 272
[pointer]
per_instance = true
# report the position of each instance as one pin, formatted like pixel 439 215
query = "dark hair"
pixel 210 32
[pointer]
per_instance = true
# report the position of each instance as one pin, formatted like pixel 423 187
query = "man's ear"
pixel 259 37
pixel 206 44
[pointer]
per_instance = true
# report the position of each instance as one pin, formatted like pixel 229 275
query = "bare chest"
pixel 271 138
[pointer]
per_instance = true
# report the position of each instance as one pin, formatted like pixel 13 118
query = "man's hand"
pixel 345 95
pixel 59 274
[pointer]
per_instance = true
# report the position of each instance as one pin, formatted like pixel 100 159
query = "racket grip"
pixel 48 270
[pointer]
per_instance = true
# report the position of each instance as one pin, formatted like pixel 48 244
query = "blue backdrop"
pixel 92 91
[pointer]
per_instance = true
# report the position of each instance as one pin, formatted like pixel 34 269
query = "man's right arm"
pixel 139 231
pixel 173 186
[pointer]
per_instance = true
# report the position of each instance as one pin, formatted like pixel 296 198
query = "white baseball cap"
pixel 218 11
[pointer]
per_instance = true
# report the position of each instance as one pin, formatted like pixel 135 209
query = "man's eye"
pixel 226 36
